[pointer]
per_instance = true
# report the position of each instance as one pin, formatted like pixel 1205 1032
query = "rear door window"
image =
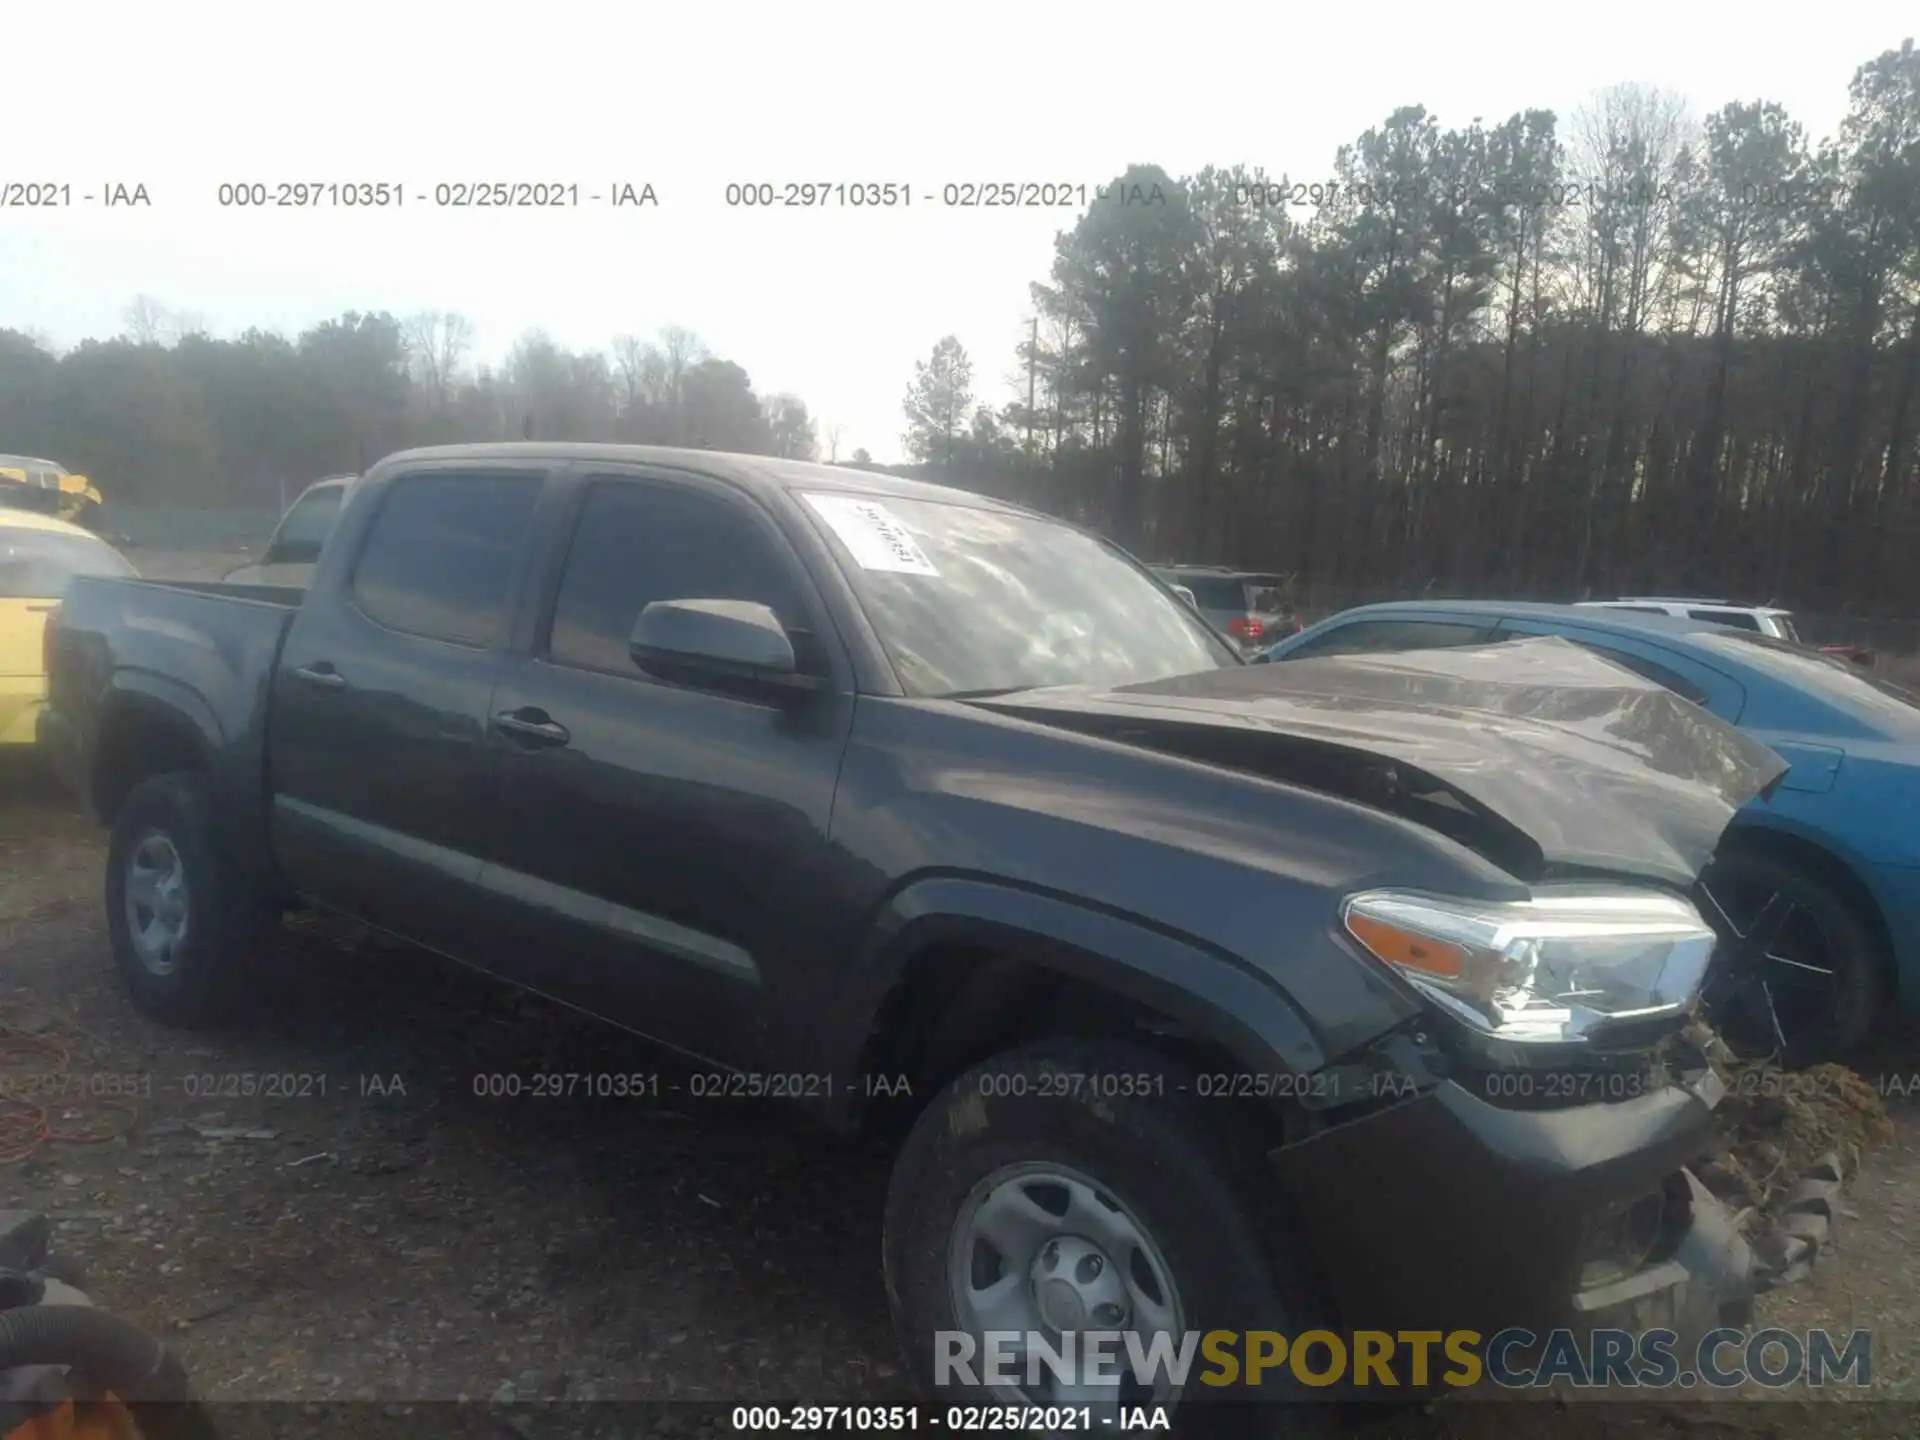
pixel 1653 670
pixel 1738 619
pixel 1709 688
pixel 441 559
pixel 1376 636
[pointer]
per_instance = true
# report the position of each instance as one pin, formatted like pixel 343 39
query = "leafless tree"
pixel 437 344
pixel 146 320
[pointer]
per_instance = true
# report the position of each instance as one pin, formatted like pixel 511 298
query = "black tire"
pixel 1823 925
pixel 224 914
pixel 1192 1177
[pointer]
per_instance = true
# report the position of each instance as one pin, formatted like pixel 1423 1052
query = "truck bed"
pixel 204 649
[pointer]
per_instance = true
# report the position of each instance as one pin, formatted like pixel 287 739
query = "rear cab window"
pixel 1737 619
pixel 442 555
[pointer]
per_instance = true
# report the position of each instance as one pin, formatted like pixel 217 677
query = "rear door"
pixel 377 725
pixel 662 846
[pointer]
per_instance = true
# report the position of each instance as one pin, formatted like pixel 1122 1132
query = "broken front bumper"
pixel 1449 1213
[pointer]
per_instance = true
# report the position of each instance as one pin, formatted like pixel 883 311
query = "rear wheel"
pixel 1018 1205
pixel 1801 974
pixel 181 921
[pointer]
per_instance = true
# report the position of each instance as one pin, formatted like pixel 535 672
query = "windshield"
pixel 972 601
pixel 36 564
pixel 1784 623
pixel 1834 681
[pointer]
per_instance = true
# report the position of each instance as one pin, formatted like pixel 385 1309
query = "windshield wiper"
pixel 984 694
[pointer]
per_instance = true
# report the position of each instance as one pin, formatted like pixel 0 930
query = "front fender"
pixel 1216 995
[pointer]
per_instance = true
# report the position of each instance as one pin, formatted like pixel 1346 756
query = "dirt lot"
pixel 315 1203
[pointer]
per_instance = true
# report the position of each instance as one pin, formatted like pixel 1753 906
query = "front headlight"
pixel 1548 969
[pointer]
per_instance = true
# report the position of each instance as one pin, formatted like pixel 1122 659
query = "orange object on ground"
pixel 105 1419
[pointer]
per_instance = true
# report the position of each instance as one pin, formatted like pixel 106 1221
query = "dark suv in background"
pixel 1250 609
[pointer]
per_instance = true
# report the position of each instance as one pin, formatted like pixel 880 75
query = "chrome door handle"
pixel 543 732
pixel 323 675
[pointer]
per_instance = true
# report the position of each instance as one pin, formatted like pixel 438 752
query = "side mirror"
pixel 734 639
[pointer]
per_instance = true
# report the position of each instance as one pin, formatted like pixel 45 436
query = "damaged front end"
pixel 1538 1199
pixel 1518 1157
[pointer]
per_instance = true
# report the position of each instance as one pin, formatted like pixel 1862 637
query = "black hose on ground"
pixel 115 1356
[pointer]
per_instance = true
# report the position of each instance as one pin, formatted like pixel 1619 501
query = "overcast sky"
pixel 833 305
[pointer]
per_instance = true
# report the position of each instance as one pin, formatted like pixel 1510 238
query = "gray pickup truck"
pixel 1197 995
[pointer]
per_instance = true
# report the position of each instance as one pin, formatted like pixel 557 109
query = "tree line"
pixel 1625 351
pixel 166 414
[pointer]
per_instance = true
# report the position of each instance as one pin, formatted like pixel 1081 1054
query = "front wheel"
pixel 181 921
pixel 1801 975
pixel 1035 1201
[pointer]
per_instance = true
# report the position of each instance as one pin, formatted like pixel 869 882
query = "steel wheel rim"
pixel 1038 1245
pixel 156 901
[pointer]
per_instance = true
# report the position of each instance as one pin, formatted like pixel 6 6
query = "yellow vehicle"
pixel 45 488
pixel 39 554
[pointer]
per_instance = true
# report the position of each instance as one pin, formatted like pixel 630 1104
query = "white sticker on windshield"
pixel 872 534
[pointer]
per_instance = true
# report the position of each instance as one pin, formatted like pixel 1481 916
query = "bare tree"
pixel 681 350
pixel 437 343
pixel 146 320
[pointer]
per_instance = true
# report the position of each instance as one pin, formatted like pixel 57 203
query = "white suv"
pixel 1765 619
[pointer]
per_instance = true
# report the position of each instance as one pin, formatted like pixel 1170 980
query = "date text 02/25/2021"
pixel 954 1419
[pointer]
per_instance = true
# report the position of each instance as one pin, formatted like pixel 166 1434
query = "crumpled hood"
pixel 1534 751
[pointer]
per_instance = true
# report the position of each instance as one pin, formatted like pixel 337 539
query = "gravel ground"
pixel 314 1203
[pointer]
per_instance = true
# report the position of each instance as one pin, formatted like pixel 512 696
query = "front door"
pixel 663 844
